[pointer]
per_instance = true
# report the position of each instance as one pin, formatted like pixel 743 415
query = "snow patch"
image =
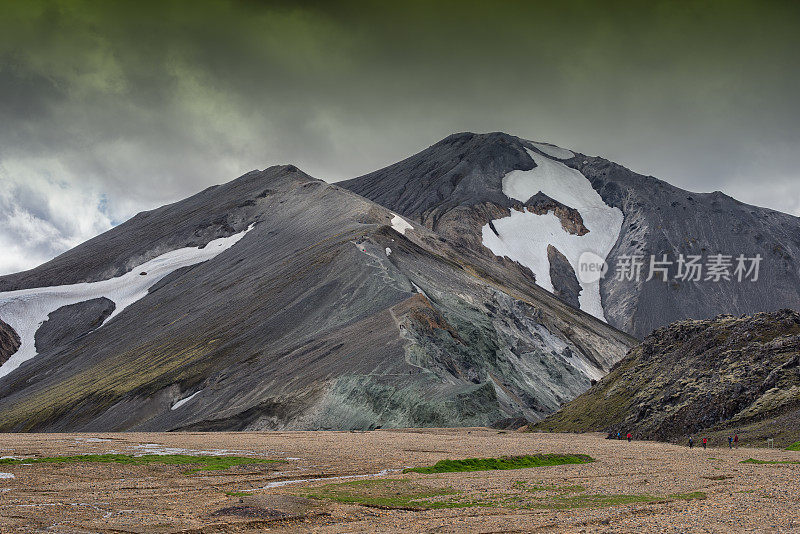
pixel 388 251
pixel 524 236
pixel 184 401
pixel 400 224
pixel 26 309
pixel 7 475
pixel 419 290
pixel 554 151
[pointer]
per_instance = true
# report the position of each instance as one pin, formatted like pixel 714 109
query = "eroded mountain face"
pixel 9 342
pixel 280 301
pixel 504 196
pixel 725 375
pixel 68 323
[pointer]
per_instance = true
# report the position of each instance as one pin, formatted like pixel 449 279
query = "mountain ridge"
pixel 461 191
pixel 326 312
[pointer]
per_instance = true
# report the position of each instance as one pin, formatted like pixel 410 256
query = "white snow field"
pixel 554 151
pixel 524 236
pixel 26 309
pixel 184 401
pixel 400 224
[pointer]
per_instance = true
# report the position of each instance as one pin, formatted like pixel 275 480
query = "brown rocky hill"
pixel 709 378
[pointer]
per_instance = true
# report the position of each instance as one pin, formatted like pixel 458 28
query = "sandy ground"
pixel 166 498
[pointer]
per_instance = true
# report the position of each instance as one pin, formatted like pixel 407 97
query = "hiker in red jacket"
pixel 704 442
pixel 736 440
pixel 630 436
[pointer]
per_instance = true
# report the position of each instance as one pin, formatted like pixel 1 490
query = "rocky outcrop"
pixel 562 276
pixel 570 218
pixel 715 377
pixel 9 342
pixel 69 323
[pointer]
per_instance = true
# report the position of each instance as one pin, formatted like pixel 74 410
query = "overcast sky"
pixel 109 108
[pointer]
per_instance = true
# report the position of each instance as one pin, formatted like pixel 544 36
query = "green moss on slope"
pixel 512 462
pixel 717 376
pixel 768 462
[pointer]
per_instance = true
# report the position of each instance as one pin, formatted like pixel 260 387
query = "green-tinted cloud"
pixel 146 102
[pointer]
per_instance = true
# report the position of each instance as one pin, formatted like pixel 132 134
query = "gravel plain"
pixel 682 490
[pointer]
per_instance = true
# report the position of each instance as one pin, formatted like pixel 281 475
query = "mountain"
pixel 560 213
pixel 712 377
pixel 279 301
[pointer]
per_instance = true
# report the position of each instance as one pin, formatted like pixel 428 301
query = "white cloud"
pixel 44 211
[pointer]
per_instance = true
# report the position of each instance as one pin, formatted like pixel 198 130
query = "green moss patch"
pixel 204 463
pixel 525 486
pixel 794 446
pixel 412 495
pixel 772 462
pixel 503 463
pixel 387 493
pixel 572 497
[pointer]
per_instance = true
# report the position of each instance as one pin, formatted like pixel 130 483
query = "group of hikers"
pixel 629 436
pixel 733 440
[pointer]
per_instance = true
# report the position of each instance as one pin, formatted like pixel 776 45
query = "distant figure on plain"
pixel 704 442
pixel 630 436
pixel 619 435
pixel 730 442
pixel 736 440
pixel 691 442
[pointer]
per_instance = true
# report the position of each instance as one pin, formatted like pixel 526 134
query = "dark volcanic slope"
pixel 219 211
pixel 68 323
pixel 663 219
pixel 324 315
pixel 460 170
pixel 455 188
pixel 9 342
pixel 716 376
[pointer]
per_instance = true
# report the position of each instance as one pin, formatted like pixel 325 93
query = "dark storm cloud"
pixel 108 108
